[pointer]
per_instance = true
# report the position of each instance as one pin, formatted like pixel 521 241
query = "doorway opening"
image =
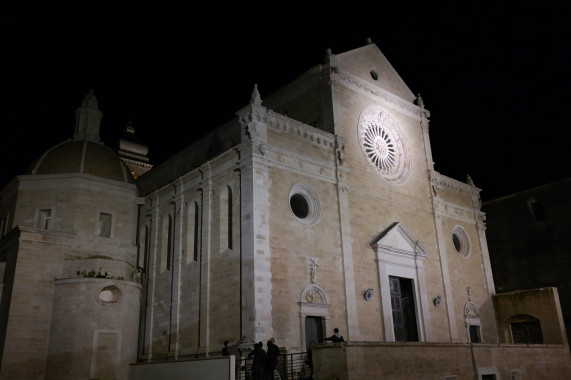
pixel 313 330
pixel 404 313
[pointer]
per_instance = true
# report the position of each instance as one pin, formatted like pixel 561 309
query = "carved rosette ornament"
pixel 384 145
pixel 313 297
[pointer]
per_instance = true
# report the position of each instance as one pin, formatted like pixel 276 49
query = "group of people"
pixel 264 362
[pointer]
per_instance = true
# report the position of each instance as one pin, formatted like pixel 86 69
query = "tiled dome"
pixel 83 157
pixel 85 153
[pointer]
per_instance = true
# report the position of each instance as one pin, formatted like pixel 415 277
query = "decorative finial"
pixel 256 96
pixel 469 180
pixel 88 119
pixel 419 101
pixel 328 54
pixel 90 101
pixel 369 41
pixel 130 129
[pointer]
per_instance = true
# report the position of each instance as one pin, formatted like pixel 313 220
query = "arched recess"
pixel 313 304
pixel 192 232
pixel 525 329
pixel 400 260
pixel 166 242
pixel 472 322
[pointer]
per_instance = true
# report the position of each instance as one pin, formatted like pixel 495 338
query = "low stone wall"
pixel 218 367
pixel 439 361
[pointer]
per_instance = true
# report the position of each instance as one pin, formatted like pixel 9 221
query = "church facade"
pixel 315 208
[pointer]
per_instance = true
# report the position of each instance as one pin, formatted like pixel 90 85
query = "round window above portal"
pixel 304 204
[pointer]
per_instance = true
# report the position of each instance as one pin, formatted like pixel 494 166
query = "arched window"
pixel 45 219
pixel 166 243
pixel 314 311
pixel 525 329
pixel 192 232
pixel 472 320
pixel 104 225
pixel 225 219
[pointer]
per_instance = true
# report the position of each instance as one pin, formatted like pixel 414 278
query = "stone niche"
pixel 535 307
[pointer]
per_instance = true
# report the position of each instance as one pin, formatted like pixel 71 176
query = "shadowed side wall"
pixel 29 285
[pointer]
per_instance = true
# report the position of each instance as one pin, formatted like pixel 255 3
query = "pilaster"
pixel 178 231
pixel 346 246
pixel 448 298
pixel 205 253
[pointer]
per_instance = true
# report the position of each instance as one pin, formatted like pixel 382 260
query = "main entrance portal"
pixel 404 316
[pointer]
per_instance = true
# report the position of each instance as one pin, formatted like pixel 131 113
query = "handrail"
pixel 290 367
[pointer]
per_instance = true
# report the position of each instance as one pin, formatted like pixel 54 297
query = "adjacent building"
pixel 530 245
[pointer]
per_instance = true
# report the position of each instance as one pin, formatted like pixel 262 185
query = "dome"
pixel 86 157
pixel 84 153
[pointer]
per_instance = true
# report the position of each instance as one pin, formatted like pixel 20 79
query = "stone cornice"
pixel 293 127
pixel 275 156
pixel 399 252
pixel 340 76
pixel 253 115
pixel 452 210
pixel 30 181
pixel 441 181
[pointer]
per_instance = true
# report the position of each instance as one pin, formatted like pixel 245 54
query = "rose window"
pixel 384 146
pixel 380 148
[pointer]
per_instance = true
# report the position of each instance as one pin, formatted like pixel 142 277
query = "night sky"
pixel 495 79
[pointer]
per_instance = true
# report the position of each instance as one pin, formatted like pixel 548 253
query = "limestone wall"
pixel 33 260
pixel 219 368
pixel 94 328
pixel 353 361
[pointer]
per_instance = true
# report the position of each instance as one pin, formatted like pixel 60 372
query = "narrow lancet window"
pixel 226 219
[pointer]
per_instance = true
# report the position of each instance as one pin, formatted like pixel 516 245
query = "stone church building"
pixel 314 208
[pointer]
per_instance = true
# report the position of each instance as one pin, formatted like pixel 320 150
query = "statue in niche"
pixel 313 266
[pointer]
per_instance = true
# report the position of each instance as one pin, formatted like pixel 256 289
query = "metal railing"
pixel 290 367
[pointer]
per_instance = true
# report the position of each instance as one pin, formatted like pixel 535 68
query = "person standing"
pixel 258 362
pixel 272 358
pixel 226 349
pixel 336 337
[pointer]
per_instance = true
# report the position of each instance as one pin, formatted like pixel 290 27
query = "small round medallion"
pixel 368 294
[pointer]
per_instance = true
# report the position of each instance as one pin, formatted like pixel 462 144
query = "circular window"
pixel 460 241
pixel 384 145
pixel 109 294
pixel 304 203
pixel 299 206
pixel 457 243
pixel 374 75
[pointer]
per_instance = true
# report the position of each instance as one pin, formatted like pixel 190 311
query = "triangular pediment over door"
pixel 400 256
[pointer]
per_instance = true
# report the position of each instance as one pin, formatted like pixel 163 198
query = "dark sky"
pixel 495 79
